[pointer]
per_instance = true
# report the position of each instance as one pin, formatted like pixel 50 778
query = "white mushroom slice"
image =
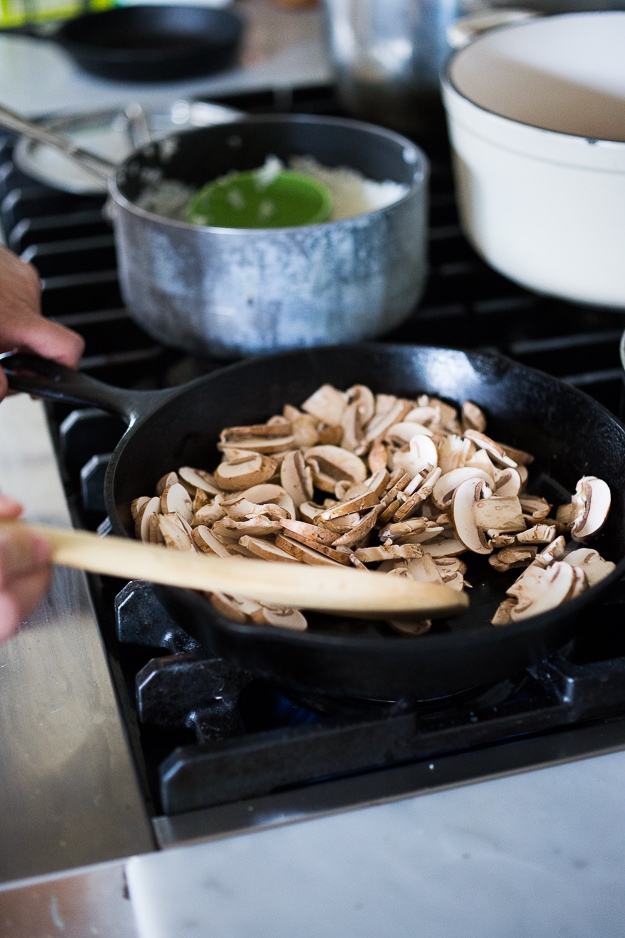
pixel 534 506
pixel 303 427
pixel 200 479
pixel 353 437
pixel 208 514
pixel 481 460
pixel 427 414
pixel 444 546
pixel 537 534
pixel 308 554
pixel 378 481
pixel 230 607
pixel 207 541
pixel 388 410
pixel 472 417
pixel 503 614
pixel 170 478
pixel 303 531
pixel 280 616
pixel 495 450
pixel 406 627
pixel 152 508
pixel 424 568
pixel 326 404
pixel 378 457
pixel 154 535
pixel 539 590
pixel 270 434
pixel 396 530
pixel 422 453
pixel 296 477
pixel 200 499
pixel 553 551
pixel 364 399
pixel 350 506
pixel 511 558
pixel 592 563
pixel 495 513
pixel 331 464
pixel 448 482
pixel 242 509
pixel 268 445
pixel 591 504
pixel 242 473
pixel 450 567
pixel 464 500
pixel 176 532
pixel 519 456
pixel 507 482
pixel 360 531
pixel 261 526
pixel 137 505
pixel 388 552
pixel 175 498
pixel 264 493
pixel 265 549
pixel 309 511
pixel 402 433
pixel 454 452
pixel 447 416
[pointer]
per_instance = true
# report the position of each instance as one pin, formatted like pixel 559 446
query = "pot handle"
pixel 45 378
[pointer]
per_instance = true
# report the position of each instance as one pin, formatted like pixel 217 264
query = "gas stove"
pixel 217 750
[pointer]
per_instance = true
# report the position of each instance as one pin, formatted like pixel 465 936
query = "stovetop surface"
pixel 187 733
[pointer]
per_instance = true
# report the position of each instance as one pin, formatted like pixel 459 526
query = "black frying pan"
pixel 570 434
pixel 149 43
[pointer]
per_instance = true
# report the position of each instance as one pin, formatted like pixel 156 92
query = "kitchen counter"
pixel 538 853
pixel 281 48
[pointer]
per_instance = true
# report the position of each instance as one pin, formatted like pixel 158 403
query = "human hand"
pixel 22 326
pixel 25 571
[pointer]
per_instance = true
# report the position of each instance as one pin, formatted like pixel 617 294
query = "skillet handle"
pixel 42 377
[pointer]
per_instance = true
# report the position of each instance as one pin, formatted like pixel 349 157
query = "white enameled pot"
pixel 536 117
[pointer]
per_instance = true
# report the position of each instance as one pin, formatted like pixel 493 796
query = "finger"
pixel 52 340
pixel 21 553
pixel 9 507
pixel 23 597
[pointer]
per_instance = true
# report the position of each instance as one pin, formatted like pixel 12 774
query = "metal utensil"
pixel 349 592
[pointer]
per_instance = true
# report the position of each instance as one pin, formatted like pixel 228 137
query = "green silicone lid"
pixel 247 200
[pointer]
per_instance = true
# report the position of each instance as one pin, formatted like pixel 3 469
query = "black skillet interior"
pixel 569 433
pixel 153 42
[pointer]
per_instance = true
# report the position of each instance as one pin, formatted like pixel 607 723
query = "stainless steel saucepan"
pixel 229 292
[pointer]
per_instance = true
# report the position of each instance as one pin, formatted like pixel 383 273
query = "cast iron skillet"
pixel 149 43
pixel 569 433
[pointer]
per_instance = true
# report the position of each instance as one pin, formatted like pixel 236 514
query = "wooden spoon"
pixel 347 592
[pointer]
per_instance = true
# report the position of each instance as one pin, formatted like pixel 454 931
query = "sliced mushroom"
pixel 495 450
pixel 199 479
pixel 468 531
pixel 448 482
pixel 592 563
pixel 591 505
pixel 245 471
pixel 326 404
pixel 283 617
pixel 296 477
pixel 175 498
pixel 539 590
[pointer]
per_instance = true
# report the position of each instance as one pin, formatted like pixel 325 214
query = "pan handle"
pixel 93 163
pixel 42 377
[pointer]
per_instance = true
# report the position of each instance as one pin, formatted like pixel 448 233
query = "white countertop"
pixel 535 855
pixel 281 48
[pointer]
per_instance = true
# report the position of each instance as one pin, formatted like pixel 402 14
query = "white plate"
pixel 110 134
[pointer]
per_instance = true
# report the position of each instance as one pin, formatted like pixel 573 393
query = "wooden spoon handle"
pixel 297 585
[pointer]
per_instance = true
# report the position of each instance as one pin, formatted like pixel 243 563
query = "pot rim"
pixel 490 117
pixel 413 154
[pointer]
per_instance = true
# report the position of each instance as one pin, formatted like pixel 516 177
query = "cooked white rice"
pixel 352 193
